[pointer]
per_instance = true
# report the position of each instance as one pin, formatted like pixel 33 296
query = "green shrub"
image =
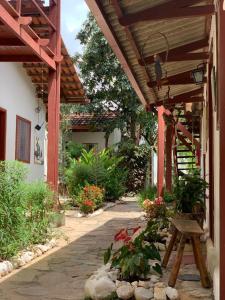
pixel 135 161
pixel 101 169
pixel 168 197
pixel 24 209
pixel 73 150
pixel 148 193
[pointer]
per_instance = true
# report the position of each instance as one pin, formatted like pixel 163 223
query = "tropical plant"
pixel 135 159
pixel 132 259
pixel 168 197
pixel 90 198
pixel 190 193
pixel 101 169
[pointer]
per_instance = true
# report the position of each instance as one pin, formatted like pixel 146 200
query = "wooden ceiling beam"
pixel 170 10
pixel 25 37
pixel 19 58
pixel 181 78
pixel 181 52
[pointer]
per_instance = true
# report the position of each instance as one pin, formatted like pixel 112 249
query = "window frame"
pixel 18 118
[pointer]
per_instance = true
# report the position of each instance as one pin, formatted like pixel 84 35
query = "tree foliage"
pixel 107 85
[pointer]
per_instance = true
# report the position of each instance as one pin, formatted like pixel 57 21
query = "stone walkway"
pixel 61 273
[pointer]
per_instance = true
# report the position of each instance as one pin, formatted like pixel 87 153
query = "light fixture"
pixel 38 127
pixel 198 74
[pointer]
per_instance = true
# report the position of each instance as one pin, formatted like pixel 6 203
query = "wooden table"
pixel 188 229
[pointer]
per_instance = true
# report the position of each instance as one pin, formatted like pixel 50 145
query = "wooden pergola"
pixel 30 34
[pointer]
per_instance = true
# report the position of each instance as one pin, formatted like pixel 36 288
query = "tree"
pixel 107 85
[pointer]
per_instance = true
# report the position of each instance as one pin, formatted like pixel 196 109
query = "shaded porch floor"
pixel 61 273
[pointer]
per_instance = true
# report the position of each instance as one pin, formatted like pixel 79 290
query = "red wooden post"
pixel 221 92
pixel 161 137
pixel 169 141
pixel 54 98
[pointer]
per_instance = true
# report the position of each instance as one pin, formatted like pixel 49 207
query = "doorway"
pixel 2 133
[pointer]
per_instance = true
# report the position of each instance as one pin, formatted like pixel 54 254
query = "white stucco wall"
pixel 17 96
pixel 213 249
pixel 96 138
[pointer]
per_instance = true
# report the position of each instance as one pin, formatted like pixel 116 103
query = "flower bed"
pixel 90 198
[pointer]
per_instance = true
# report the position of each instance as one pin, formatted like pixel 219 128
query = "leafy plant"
pixel 90 198
pixel 132 259
pixel 135 160
pixel 24 209
pixel 190 193
pixel 168 197
pixel 148 193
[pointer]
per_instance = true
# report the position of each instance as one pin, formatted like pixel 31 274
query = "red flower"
pixel 121 235
pixel 89 203
pixel 159 201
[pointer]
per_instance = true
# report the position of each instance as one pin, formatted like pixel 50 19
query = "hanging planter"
pixel 168 119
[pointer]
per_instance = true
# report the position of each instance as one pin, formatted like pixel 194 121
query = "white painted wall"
pixel 213 249
pixel 96 138
pixel 17 96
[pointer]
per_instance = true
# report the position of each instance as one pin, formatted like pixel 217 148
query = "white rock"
pixel 141 293
pixel 125 292
pixel 104 287
pixel 27 256
pixel 43 248
pixel 89 288
pixel 9 266
pixel 134 283
pixel 15 263
pixel 51 243
pixel 144 284
pixel 3 269
pixel 37 251
pixel 154 278
pixel 159 293
pixel 113 275
pixel 160 285
pixel 160 246
pixel 172 293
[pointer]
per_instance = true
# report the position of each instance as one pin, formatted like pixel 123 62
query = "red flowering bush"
pixel 90 198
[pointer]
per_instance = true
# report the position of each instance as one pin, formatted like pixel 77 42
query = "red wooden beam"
pixel 169 140
pixel 173 9
pixel 97 10
pixel 184 142
pixel 161 154
pixel 21 33
pixel 181 52
pixel 221 91
pixel 188 134
pixel 43 14
pixel 54 99
pixel 181 78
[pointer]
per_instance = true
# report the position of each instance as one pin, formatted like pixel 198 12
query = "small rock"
pixel 154 278
pixel 3 269
pixel 51 243
pixel 160 285
pixel 141 293
pixel 144 284
pixel 113 275
pixel 43 248
pixel 160 246
pixel 37 251
pixel 9 266
pixel 89 288
pixel 172 293
pixel 134 283
pixel 104 287
pixel 125 292
pixel 27 256
pixel 159 293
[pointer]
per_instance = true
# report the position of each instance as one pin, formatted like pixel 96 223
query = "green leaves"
pixel 107 254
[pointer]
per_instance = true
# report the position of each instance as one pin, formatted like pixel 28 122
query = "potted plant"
pixel 190 196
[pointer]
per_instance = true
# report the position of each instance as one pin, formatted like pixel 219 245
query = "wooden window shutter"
pixel 23 139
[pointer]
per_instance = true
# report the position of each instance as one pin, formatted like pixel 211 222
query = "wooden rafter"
pixel 16 28
pixel 181 78
pixel 172 9
pixel 181 53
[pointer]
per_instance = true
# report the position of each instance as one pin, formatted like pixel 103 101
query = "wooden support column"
pixel 161 138
pixel 221 92
pixel 54 99
pixel 169 140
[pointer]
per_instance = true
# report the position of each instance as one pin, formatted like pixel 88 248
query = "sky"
pixel 74 13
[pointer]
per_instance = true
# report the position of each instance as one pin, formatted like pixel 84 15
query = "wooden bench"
pixel 188 229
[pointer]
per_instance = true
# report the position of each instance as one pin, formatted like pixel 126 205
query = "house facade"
pixel 186 39
pixel 37 75
pixel 88 130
